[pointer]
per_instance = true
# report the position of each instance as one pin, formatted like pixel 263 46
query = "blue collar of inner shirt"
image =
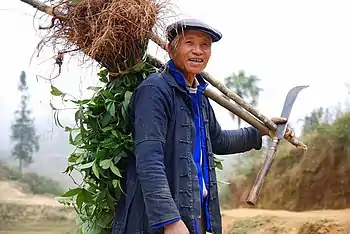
pixel 180 79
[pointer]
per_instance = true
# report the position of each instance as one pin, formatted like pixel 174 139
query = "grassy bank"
pixel 302 180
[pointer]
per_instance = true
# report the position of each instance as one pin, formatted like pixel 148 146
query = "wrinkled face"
pixel 191 52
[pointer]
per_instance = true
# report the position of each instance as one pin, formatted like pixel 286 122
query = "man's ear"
pixel 170 50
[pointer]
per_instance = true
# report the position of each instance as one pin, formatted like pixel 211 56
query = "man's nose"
pixel 197 50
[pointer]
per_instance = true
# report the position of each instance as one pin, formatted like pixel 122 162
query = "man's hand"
pixel 281 120
pixel 177 227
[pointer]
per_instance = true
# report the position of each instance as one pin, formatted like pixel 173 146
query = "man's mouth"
pixel 196 60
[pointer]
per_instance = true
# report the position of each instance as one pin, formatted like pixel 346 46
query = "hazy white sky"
pixel 284 43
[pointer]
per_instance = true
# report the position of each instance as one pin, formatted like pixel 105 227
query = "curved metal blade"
pixel 287 108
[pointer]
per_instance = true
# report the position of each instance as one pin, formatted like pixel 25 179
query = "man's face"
pixel 192 52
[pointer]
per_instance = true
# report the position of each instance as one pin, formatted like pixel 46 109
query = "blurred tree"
pixel 244 86
pixel 315 119
pixel 23 129
pixel 327 116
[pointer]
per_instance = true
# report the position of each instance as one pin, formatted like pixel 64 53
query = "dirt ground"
pixel 257 221
pixel 21 212
pixel 25 213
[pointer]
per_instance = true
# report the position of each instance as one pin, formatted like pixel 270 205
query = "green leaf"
pixel 72 192
pixel 78 116
pixel 108 100
pixel 114 132
pixel 68 169
pixel 108 143
pixel 80 200
pixel 127 81
pixel 68 129
pixel 106 129
pixel 127 98
pixel 86 165
pixel 120 187
pixel 71 138
pixel 119 96
pixel 93 88
pixel 77 140
pixel 110 201
pixel 89 208
pixel 102 72
pixel 100 196
pixel 115 170
pixel 105 219
pixel 106 118
pixel 101 154
pixel 80 159
pixel 111 108
pixel 105 164
pixel 108 95
pixel 87 196
pixel 94 186
pixel 117 159
pixel 91 227
pixel 95 170
pixel 115 183
pixel 219 165
pixel 55 91
pixel 72 158
pixel 84 101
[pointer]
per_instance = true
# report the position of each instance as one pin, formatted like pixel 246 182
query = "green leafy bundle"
pixel 103 141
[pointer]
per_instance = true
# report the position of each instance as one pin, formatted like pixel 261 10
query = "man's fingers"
pixel 289 133
pixel 280 120
pixel 292 133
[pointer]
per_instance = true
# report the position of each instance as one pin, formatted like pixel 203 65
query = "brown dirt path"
pixel 257 221
pixel 12 192
pixel 22 212
pixel 236 221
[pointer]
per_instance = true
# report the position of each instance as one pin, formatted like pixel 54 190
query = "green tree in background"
pixel 313 120
pixel 244 86
pixel 241 164
pixel 24 134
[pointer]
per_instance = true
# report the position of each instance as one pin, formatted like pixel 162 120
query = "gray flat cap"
pixel 174 29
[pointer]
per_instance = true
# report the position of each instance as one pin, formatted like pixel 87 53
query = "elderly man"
pixel 171 185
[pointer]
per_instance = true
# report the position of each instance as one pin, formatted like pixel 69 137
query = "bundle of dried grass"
pixel 115 33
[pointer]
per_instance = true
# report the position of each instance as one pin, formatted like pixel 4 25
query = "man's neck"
pixel 190 79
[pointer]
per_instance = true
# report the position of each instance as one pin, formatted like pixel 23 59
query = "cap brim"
pixel 180 26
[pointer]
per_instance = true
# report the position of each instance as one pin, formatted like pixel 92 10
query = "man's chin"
pixel 196 70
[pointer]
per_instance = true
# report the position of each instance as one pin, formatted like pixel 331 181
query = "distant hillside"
pixel 50 166
pixel 318 178
pixel 34 183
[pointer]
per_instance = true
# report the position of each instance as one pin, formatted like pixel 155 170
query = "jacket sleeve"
pixel 151 107
pixel 232 141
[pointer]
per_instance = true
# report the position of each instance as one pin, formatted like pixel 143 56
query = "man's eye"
pixel 188 42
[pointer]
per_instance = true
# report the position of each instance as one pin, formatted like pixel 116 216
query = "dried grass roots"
pixel 113 32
